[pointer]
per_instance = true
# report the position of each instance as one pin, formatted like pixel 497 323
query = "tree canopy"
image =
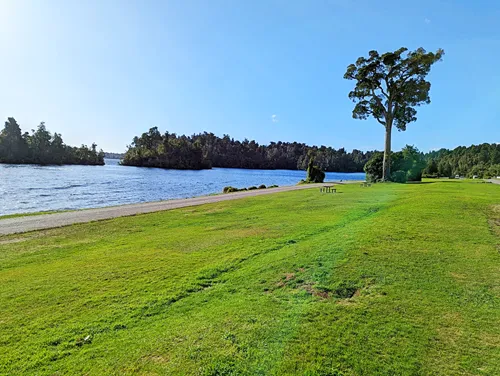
pixel 389 87
pixel 42 147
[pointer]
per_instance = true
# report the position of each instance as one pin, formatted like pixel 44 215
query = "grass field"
pixel 28 214
pixel 387 280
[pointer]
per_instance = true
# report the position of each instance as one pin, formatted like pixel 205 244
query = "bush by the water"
pixel 230 189
pixel 314 174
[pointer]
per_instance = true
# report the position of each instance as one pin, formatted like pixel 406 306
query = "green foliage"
pixel 476 160
pixel 153 149
pixel 314 173
pixel 230 189
pixel 430 176
pixel 409 160
pixel 42 147
pixel 389 88
pixel 431 169
pixel 399 279
pixel 206 150
pixel 399 176
pixel 373 168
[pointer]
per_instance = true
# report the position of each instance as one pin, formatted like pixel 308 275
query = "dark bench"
pixel 328 189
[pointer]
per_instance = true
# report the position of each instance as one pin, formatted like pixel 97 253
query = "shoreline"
pixel 32 221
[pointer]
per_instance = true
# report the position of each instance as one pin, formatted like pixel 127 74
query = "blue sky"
pixel 270 70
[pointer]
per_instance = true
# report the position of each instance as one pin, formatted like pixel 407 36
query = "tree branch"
pixel 376 117
pixel 379 102
pixel 383 91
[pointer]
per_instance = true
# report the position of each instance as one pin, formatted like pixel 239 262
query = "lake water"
pixel 27 188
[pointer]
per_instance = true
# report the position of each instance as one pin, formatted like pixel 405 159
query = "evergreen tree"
pixel 41 147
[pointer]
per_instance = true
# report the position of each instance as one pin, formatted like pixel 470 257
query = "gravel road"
pixel 45 221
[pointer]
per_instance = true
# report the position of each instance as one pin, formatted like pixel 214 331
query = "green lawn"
pixel 387 280
pixel 28 214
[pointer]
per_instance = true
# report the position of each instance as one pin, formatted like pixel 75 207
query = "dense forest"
pixel 482 161
pixel 42 147
pixel 205 150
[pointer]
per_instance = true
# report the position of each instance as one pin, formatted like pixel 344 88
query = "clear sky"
pixel 267 70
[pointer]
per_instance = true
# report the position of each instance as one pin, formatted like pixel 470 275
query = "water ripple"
pixel 28 188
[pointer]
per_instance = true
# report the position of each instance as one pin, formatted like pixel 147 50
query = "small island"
pixel 206 150
pixel 43 148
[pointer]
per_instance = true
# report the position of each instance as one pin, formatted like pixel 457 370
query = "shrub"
pixel 273 186
pixel 262 186
pixel 399 176
pixel 314 173
pixel 373 168
pixel 410 160
pixel 253 187
pixel 229 189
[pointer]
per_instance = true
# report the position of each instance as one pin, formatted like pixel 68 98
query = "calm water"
pixel 25 188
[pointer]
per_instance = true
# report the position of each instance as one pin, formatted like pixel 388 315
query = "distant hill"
pixel 114 155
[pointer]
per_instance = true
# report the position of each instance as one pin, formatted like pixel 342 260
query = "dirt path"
pixel 494 181
pixel 46 221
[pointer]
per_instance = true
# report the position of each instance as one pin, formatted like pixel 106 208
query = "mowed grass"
pixel 387 280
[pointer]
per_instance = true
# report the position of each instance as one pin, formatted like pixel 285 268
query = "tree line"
pixel 42 147
pixel 482 161
pixel 206 150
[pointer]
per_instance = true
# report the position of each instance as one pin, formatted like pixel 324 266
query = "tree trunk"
pixel 386 176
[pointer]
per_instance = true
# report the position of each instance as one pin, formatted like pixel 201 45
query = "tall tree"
pixel 13 145
pixel 41 147
pixel 389 87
